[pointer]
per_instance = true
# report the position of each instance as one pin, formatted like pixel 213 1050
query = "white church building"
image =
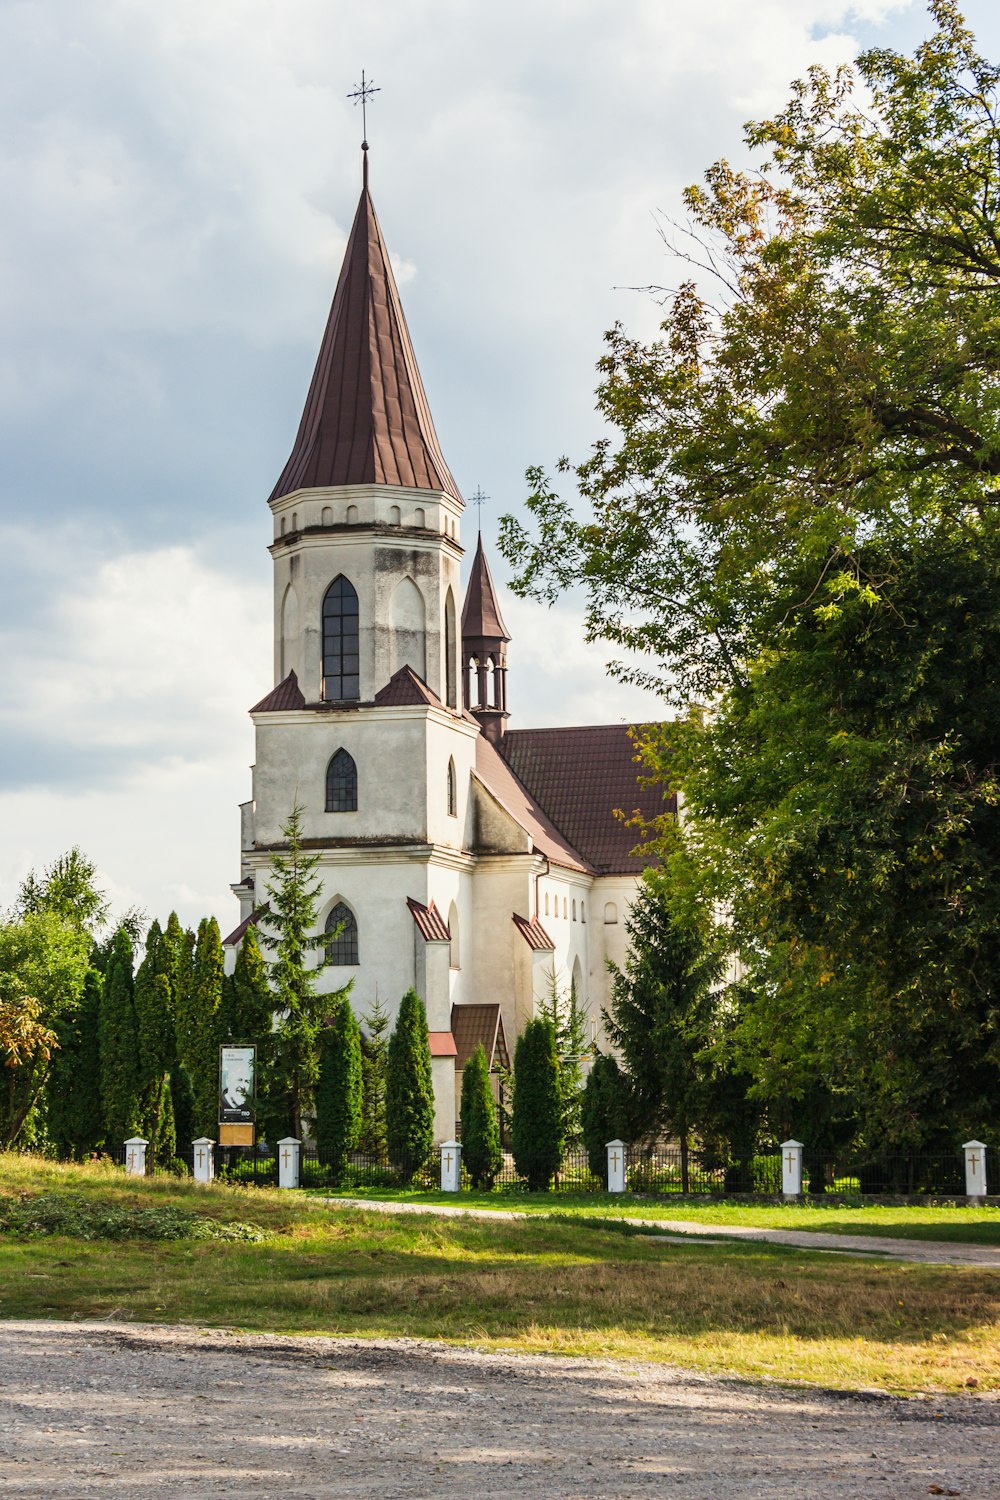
pixel 470 860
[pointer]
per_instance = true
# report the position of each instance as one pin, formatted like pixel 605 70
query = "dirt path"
pixel 929 1252
pixel 93 1411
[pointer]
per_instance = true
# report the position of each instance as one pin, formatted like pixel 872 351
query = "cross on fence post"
pixel 791 1168
pixel 289 1157
pixel 451 1166
pixel 616 1166
pixel 135 1156
pixel 975 1169
pixel 204 1159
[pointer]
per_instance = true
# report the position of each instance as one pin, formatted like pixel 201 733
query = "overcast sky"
pixel 178 180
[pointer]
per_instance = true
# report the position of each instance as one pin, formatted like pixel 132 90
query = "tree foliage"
pixel 409 1093
pixel 561 1006
pixel 374 1062
pixel 537 1113
pixel 795 521
pixel 339 1089
pixel 68 889
pixel 119 1046
pixel 198 1030
pixel 73 1115
pixel 482 1153
pixel 604 1112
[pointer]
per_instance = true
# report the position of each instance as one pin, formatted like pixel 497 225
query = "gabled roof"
pixel 366 418
pixel 238 933
pixel 498 779
pixel 475 1025
pixel 430 924
pixel 534 934
pixel 580 776
pixel 481 617
pixel 441 1044
pixel 287 694
pixel 405 689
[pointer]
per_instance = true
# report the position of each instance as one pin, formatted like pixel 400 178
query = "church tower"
pixel 484 651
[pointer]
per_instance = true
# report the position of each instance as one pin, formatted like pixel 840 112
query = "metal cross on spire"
pixel 478 500
pixel 362 93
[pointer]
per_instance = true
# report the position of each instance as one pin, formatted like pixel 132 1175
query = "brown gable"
pixel 404 690
pixel 475 1025
pixel 431 925
pixel 534 934
pixel 366 418
pixel 481 613
pixel 287 694
pixel 580 776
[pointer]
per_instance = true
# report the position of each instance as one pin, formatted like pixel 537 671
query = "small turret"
pixel 484 651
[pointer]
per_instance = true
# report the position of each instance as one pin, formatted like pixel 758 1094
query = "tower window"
pixel 342 783
pixel 574 911
pixel 452 797
pixel 342 949
pixel 341 681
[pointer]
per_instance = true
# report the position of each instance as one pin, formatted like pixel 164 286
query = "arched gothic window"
pixel 342 783
pixel 341 681
pixel 452 794
pixel 343 946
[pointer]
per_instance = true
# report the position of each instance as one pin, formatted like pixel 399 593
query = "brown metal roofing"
pixel 287 694
pixel 526 810
pixel 237 934
pixel 441 1043
pixel 430 924
pixel 366 418
pixel 481 617
pixel 580 776
pixel 475 1025
pixel 534 934
pixel 404 689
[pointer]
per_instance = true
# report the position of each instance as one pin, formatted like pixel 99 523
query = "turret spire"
pixel 484 650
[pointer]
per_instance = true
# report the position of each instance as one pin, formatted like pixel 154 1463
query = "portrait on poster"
pixel 236 1084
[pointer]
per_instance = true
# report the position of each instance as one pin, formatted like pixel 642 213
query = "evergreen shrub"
pixel 537 1128
pixel 409 1088
pixel 482 1154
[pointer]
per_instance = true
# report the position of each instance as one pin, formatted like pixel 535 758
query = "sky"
pixel 178 183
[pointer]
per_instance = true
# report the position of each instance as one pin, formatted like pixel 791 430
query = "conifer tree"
pixel 288 931
pixel 182 1107
pixel 482 1154
pixel 339 1089
pixel 409 1091
pixel 74 1116
pixel 248 1005
pixel 374 1060
pixel 119 1046
pixel 537 1128
pixel 154 1009
pixel 604 1112
pixel 198 1026
pixel 569 1022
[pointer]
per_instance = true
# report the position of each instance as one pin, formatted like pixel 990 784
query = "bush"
pixel 603 1113
pixel 482 1154
pixel 338 1090
pixel 409 1088
pixel 82 1218
pixel 537 1115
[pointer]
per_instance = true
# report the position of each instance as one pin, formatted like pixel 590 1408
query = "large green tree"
pixel 795 521
pixel 73 1115
pixel 118 1032
pixel 198 1031
pixel 339 1089
pixel 409 1099
pixel 538 1112
pixel 482 1153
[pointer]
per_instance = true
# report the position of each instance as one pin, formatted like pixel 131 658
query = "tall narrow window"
pixel 450 663
pixel 343 945
pixel 340 643
pixel 452 796
pixel 342 783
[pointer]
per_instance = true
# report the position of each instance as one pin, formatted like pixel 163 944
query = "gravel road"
pixel 90 1411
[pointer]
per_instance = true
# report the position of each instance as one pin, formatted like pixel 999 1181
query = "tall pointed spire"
pixel 366 418
pixel 484 650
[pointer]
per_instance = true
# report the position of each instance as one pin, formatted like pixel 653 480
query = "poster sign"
pixel 237 1067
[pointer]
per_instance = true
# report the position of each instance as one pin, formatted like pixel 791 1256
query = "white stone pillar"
pixel 135 1156
pixel 204 1159
pixel 451 1166
pixel 975 1169
pixel 616 1166
pixel 791 1168
pixel 289 1156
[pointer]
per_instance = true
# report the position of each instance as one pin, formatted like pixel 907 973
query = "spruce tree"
pixel 409 1088
pixel 198 1026
pixel 74 1116
pixel 248 1005
pixel 482 1154
pixel 603 1113
pixel 339 1090
pixel 119 1046
pixel 374 1060
pixel 537 1128
pixel 569 1022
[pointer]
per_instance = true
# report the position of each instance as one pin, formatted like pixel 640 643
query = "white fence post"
pixel 975 1169
pixel 616 1166
pixel 135 1156
pixel 791 1168
pixel 451 1166
pixel 289 1157
pixel 204 1159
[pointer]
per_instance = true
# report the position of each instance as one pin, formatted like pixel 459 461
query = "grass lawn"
pixel 956 1222
pixel 548 1284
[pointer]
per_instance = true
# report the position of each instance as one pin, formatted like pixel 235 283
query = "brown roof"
pixel 366 418
pixel 405 689
pixel 475 1025
pixel 236 936
pixel 441 1043
pixel 432 926
pixel 580 776
pixel 534 934
pixel 496 775
pixel 481 613
pixel 287 694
